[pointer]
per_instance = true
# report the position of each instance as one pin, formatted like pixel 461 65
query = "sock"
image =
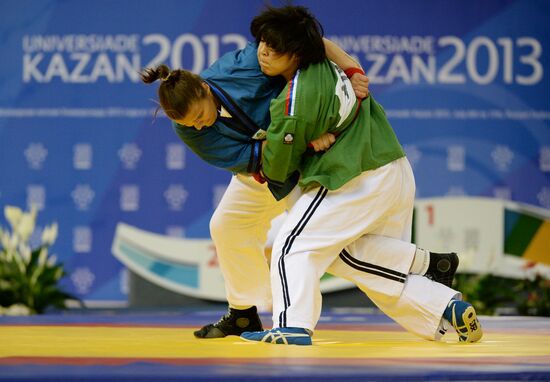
pixel 421 262
pixel 240 307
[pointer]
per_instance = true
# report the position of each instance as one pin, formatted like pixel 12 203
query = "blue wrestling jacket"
pixel 237 81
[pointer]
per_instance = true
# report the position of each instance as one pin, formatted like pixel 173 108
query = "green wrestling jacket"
pixel 317 100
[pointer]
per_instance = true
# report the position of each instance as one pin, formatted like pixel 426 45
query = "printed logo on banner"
pixel 503 157
pixel 83 279
pixel 456 158
pixel 544 161
pixel 36 196
pixel 82 156
pixel 175 231
pixel 129 155
pixel 89 58
pixel 36 154
pixel 413 154
pixel 175 196
pixel 544 197
pixel 82 239
pixel 217 193
pixel 175 156
pixel 129 197
pixel 82 195
pixel 412 59
pixel 502 193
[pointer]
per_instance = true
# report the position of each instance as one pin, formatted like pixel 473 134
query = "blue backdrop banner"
pixel 465 83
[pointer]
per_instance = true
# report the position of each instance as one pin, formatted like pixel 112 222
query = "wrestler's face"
pixel 202 113
pixel 276 64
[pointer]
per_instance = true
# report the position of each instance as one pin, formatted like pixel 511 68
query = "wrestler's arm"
pixel 287 139
pixel 359 82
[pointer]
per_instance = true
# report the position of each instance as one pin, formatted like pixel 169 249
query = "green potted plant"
pixel 28 276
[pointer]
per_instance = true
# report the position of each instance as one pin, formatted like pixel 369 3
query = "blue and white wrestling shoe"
pixel 280 336
pixel 462 316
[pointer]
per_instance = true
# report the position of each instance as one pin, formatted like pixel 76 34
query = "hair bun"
pixel 164 72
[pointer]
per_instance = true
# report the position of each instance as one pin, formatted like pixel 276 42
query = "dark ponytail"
pixel 178 90
pixel 150 75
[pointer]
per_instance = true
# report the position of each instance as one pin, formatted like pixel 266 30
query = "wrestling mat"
pixel 349 345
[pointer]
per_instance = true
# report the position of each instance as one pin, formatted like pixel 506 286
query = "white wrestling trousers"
pixel 239 227
pixel 371 218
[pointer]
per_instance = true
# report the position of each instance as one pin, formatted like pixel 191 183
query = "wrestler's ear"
pixel 205 86
pixel 295 60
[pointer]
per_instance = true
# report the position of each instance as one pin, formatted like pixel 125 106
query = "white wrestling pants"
pixel 239 228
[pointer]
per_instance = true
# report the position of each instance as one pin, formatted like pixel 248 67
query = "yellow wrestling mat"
pixel 157 343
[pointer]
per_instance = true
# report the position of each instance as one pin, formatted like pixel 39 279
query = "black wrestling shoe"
pixel 234 323
pixel 442 267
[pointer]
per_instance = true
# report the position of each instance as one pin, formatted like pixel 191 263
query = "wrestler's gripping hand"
pixel 360 85
pixel 322 143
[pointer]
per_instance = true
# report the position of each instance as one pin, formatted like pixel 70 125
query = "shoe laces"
pixel 226 317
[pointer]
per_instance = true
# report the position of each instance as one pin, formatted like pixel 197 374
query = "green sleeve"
pixel 286 144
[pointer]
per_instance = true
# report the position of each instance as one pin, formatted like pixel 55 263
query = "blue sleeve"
pixel 219 150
